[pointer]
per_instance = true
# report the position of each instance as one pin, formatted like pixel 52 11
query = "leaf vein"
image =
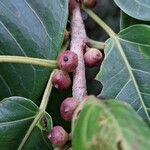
pixel 16 121
pixel 123 87
pixel 38 17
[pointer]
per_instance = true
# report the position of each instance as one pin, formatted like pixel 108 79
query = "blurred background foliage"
pixel 110 13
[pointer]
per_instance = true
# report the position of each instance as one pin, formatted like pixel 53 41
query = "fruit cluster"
pixel 67 62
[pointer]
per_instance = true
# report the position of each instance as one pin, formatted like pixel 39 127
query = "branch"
pixel 47 93
pixel 95 44
pixel 100 22
pixel 41 112
pixel 28 60
pixel 78 40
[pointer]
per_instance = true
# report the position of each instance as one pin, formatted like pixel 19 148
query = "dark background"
pixel 109 12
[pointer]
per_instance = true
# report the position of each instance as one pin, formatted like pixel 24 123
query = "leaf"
pixel 16 116
pixel 138 9
pixel 31 28
pixel 125 72
pixel 109 125
pixel 126 21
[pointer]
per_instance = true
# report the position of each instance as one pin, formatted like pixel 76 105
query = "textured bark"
pixel 78 41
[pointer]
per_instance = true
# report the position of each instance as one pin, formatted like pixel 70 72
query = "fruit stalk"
pixel 28 60
pixel 95 44
pixel 78 40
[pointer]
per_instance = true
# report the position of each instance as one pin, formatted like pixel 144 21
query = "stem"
pixel 100 22
pixel 47 93
pixel 78 41
pixel 95 44
pixel 28 60
pixel 41 112
pixel 37 118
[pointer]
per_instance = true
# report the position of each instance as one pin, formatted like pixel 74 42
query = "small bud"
pixel 68 107
pixel 61 80
pixel 58 136
pixel 67 61
pixel 89 3
pixel 93 57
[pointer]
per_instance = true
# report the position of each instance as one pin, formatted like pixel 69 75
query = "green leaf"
pixel 109 125
pixel 126 21
pixel 16 116
pixel 125 72
pixel 32 28
pixel 138 9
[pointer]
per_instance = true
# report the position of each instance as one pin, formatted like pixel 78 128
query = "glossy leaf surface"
pixel 32 28
pixel 138 9
pixel 16 116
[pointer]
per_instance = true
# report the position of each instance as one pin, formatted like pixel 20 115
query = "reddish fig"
pixel 72 4
pixel 89 3
pixel 61 80
pixel 93 57
pixel 68 107
pixel 67 61
pixel 58 136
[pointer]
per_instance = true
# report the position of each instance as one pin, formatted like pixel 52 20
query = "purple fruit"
pixel 67 61
pixel 93 57
pixel 89 3
pixel 68 107
pixel 58 136
pixel 61 80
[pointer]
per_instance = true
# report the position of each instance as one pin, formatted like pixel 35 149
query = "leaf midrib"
pixel 129 68
pixel 131 42
pixel 16 121
pixel 24 53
